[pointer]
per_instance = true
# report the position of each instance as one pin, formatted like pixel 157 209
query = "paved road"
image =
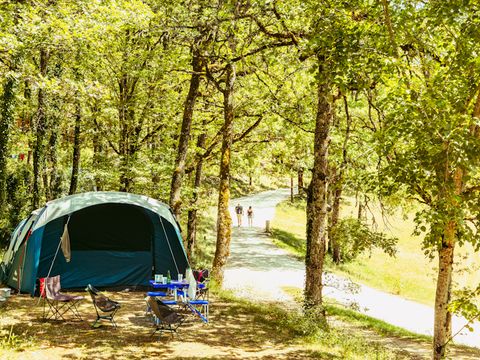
pixel 259 270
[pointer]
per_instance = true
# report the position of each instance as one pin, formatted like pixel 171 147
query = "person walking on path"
pixel 239 212
pixel 250 216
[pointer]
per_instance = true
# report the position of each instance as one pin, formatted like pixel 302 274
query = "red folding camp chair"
pixel 58 304
pixel 202 277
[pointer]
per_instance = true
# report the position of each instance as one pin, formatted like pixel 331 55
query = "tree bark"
pixel 335 245
pixel 442 330
pixel 337 182
pixel 316 199
pixel 128 139
pixel 300 179
pixel 443 318
pixel 38 150
pixel 291 189
pixel 192 213
pixel 76 148
pixel 7 103
pixel 54 184
pixel 179 171
pixel 97 154
pixel 224 221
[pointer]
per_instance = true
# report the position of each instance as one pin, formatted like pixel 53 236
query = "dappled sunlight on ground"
pixel 233 333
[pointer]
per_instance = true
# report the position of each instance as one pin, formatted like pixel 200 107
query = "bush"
pixel 354 238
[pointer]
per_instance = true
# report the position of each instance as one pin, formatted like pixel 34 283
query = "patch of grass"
pixel 410 274
pixel 288 241
pixel 325 342
pixel 11 340
pixel 367 322
pixel 336 310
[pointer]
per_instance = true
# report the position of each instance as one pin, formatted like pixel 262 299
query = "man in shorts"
pixel 239 212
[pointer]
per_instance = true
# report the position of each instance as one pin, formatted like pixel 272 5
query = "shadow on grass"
pixel 236 330
pixel 291 241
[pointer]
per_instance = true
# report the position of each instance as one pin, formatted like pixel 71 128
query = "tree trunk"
pixel 40 128
pixel 7 103
pixel 316 200
pixel 442 330
pixel 54 183
pixel 192 214
pixel 443 318
pixel 97 154
pixel 360 210
pixel 224 221
pixel 46 183
pixel 127 138
pixel 300 180
pixel 337 180
pixel 179 171
pixel 335 245
pixel 76 148
pixel 291 189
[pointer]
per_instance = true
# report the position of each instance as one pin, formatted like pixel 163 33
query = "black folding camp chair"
pixel 164 317
pixel 58 304
pixel 107 307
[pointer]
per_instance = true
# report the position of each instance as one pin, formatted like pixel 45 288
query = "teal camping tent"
pixel 108 239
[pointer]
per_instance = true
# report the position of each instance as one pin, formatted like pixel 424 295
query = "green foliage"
pixel 11 340
pixel 355 238
pixel 466 304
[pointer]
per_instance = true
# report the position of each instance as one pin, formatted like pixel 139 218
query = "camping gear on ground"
pixel 58 304
pixel 164 317
pixel 107 306
pixel 112 239
pixel 184 295
pixel 199 307
pixel 202 277
pixel 5 292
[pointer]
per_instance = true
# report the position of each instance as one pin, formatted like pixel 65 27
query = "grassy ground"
pixel 238 330
pixel 410 274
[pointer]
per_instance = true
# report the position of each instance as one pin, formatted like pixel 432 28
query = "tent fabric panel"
pixel 51 239
pixel 177 247
pixel 9 254
pixel 111 227
pixel 13 270
pixel 14 239
pixel 103 269
pixel 69 204
pixel 168 241
pixel 24 231
pixel 17 239
pixel 30 261
pixel 162 259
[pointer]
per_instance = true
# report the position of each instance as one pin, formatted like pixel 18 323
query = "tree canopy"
pixel 188 101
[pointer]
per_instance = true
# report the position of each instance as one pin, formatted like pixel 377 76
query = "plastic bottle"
pixel 169 278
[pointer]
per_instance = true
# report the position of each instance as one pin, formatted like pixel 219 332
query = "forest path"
pixel 258 270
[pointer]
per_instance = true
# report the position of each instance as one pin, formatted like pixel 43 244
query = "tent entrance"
pixel 110 244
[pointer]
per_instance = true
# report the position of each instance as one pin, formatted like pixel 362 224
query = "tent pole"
pixel 53 261
pixel 168 242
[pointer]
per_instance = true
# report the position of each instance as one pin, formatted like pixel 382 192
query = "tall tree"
pixel 317 192
pixel 438 159
pixel 224 220
pixel 179 170
pixel 40 129
pixel 7 103
pixel 76 147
